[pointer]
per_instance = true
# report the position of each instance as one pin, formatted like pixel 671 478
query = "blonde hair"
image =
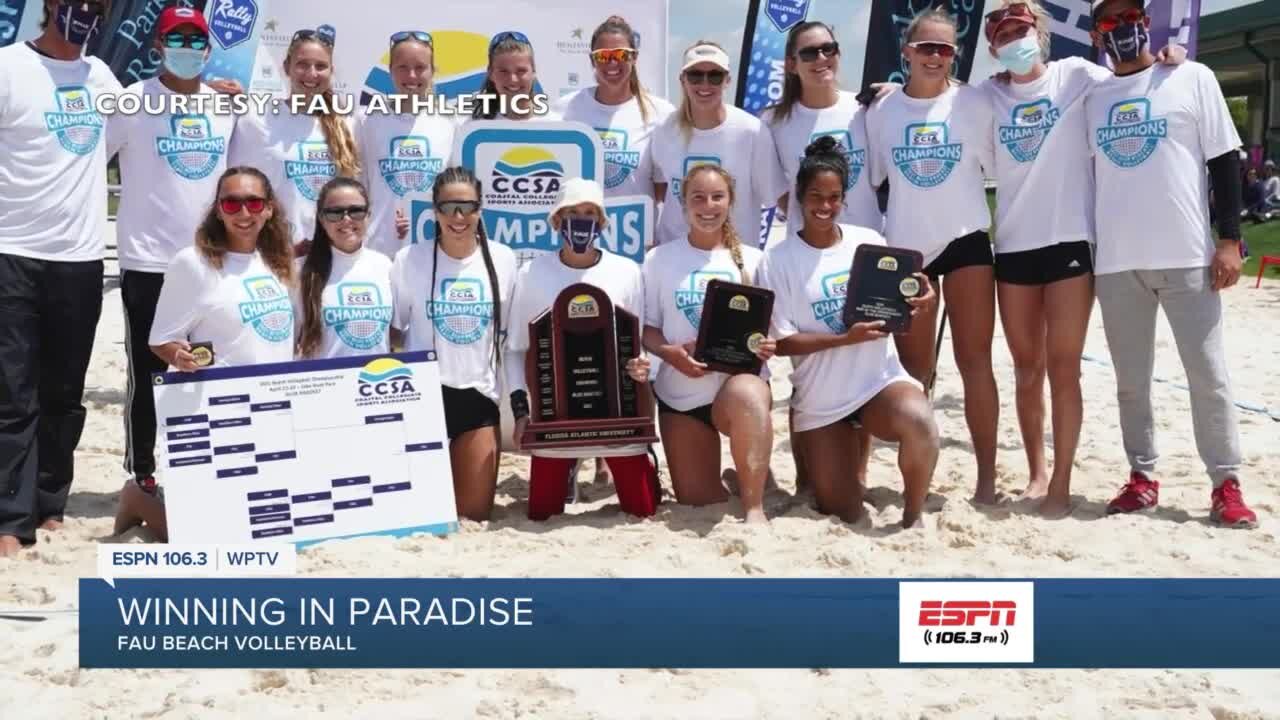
pixel 685 117
pixel 430 89
pixel 339 138
pixel 1042 23
pixel 938 14
pixel 730 237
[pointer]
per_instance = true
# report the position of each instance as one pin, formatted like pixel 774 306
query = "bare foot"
pixel 986 495
pixel 756 516
pixel 1037 488
pixel 51 524
pixel 9 546
pixel 1055 508
pixel 913 522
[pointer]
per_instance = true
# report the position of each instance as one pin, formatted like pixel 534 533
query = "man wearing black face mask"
pixel 1153 130
pixel 53 208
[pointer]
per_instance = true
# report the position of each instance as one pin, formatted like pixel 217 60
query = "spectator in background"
pixel 1254 207
pixel 1270 186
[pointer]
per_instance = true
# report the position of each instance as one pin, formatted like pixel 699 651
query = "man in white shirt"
pixel 53 207
pixel 1153 129
pixel 1270 186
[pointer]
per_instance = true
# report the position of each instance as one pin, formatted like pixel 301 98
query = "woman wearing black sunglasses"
pixel 343 302
pixel 404 150
pixel 460 313
pixel 708 131
pixel 933 140
pixel 301 151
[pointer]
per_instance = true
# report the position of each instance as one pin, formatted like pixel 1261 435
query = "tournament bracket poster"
pixel 521 166
pixel 305 451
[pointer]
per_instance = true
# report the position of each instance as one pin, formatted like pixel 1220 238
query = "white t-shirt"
pixel 53 165
pixel 809 288
pixel 169 170
pixel 537 287
pixel 1152 133
pixel 675 281
pixel 628 161
pixel 846 121
pixel 461 328
pixel 291 151
pixel 242 308
pixel 933 152
pixel 356 306
pixel 742 145
pixel 1044 175
pixel 400 158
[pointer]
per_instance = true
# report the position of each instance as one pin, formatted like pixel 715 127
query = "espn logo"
pixel 966 622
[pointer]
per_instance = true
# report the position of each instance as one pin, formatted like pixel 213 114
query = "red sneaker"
pixel 1229 508
pixel 1141 493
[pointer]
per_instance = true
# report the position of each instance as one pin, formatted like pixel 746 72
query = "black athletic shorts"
pixel 467 410
pixel 1045 265
pixel 972 249
pixel 702 412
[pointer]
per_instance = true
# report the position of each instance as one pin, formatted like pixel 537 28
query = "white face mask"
pixel 1019 56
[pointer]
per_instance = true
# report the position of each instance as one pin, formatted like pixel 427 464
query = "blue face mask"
pixel 184 62
pixel 76 24
pixel 579 233
pixel 1021 55
pixel 1126 43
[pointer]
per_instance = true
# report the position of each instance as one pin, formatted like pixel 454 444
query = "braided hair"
pixel 822 155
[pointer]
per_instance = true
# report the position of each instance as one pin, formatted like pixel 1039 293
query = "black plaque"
pixel 735 319
pixel 880 282
pixel 580 392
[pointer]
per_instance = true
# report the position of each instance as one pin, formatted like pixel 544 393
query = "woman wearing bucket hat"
pixel 578 217
pixel 707 131
pixel 1044 231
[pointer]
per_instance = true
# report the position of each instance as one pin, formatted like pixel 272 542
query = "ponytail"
pixel 791 86
pixel 337 136
pixel 617 25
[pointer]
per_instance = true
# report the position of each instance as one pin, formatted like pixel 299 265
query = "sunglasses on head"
pixel 232 205
pixel 940 49
pixel 316 35
pixel 508 35
pixel 809 54
pixel 177 40
pixel 456 207
pixel 355 212
pixel 1132 16
pixel 419 35
pixel 617 55
pixel 1017 10
pixel 699 77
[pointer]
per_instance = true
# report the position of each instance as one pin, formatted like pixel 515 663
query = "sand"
pixel 38 661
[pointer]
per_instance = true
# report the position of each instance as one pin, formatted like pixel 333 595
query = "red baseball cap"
pixel 1014 12
pixel 176 16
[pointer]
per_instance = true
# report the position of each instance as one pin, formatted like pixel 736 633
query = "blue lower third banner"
pixel 645 623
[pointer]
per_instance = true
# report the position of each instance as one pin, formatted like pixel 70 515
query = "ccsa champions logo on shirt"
pixel 76 124
pixel 1030 124
pixel 855 157
pixel 830 309
pixel 313 168
pixel 461 59
pixel 385 380
pixel 1132 134
pixel 927 158
pixel 619 162
pixel 409 166
pixel 693 291
pixel 191 150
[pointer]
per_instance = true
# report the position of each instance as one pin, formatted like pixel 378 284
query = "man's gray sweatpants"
pixel 1129 301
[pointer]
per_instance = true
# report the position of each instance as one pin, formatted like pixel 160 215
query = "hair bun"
pixel 825 145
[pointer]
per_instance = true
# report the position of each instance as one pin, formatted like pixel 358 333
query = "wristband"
pixel 519 404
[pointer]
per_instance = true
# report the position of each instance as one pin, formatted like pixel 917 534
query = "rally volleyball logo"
pixel 268 311
pixel 619 162
pixel 360 319
pixel 927 159
pixel 856 158
pixel 461 313
pixel 313 168
pixel 385 380
pixel 526 175
pixel 191 149
pixel 689 297
pixel 409 167
pixel 461 59
pixel 830 309
pixel 1132 134
pixel 76 124
pixel 1030 126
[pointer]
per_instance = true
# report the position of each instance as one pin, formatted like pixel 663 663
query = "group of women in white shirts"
pixel 332 193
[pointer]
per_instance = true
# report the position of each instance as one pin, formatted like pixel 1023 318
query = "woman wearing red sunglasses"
pixel 1044 232
pixel 932 140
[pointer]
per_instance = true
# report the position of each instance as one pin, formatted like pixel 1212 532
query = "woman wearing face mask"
pixel 848 380
pixel 706 131
pixel 932 140
pixel 231 290
pixel 403 151
pixel 1044 231
pixel 301 151
pixel 170 164
pixel 578 218
pixel 343 301
pixel 620 109
pixel 813 106
pixel 696 405
pixel 460 313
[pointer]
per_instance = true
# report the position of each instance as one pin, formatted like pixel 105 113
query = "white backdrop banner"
pixel 252 36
